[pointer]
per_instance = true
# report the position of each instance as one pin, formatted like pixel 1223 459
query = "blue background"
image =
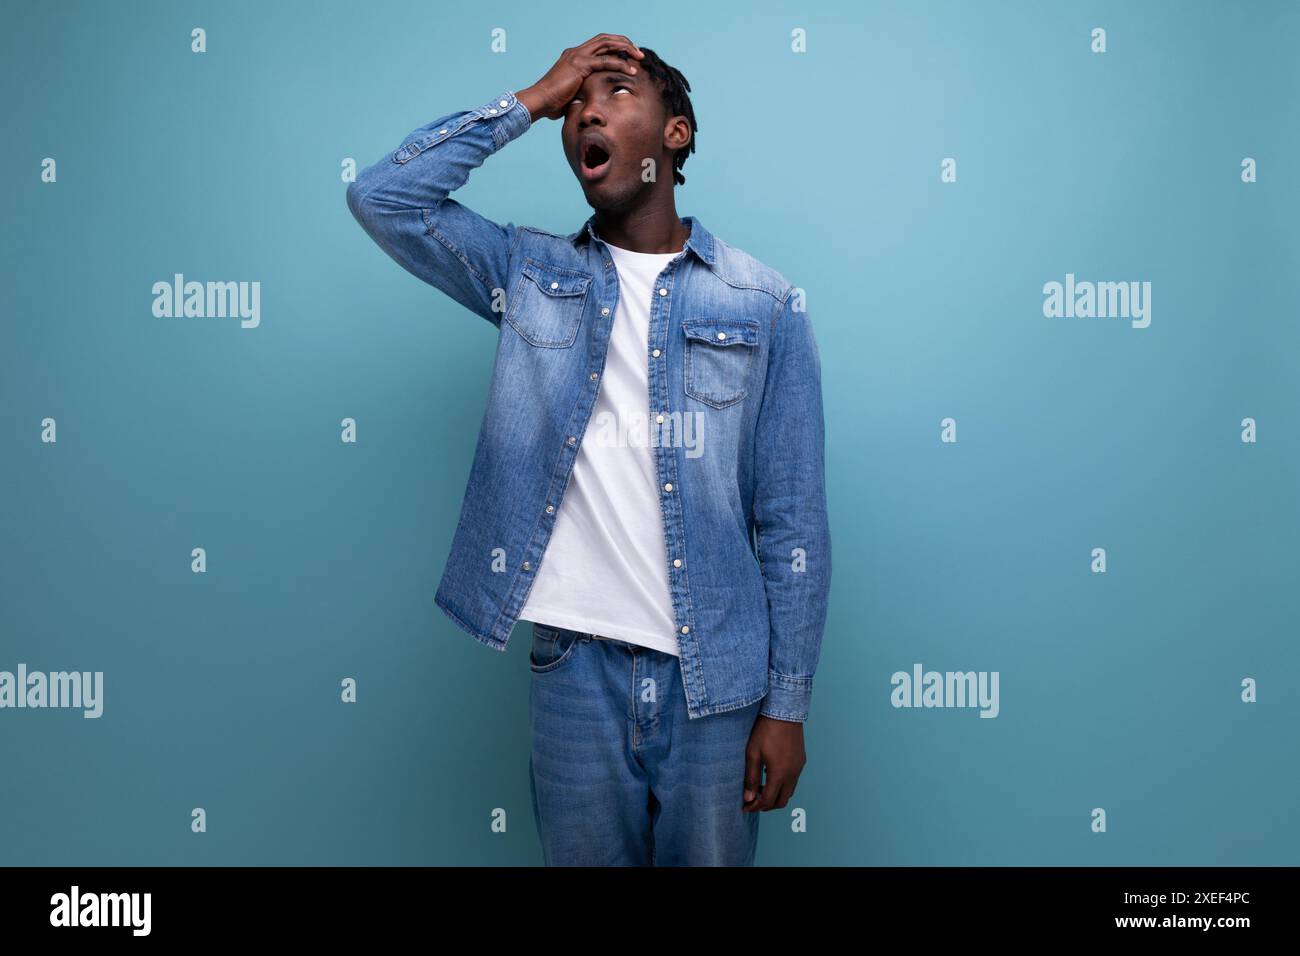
pixel 1118 690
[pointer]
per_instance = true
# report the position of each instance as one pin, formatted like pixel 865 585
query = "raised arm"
pixel 403 200
pixel 403 203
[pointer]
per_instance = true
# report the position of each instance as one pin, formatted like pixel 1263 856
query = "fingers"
pixel 603 42
pixel 773 787
pixel 782 798
pixel 753 775
pixel 612 63
pixel 773 794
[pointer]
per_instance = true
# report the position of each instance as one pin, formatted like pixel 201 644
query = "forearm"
pixel 404 204
pixel 795 556
pixel 436 159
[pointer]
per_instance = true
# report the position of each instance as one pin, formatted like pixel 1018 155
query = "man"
pixel 648 483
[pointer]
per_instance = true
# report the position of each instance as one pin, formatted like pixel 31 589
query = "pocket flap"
pixel 718 330
pixel 556 281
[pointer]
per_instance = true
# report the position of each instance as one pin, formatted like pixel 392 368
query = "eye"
pixel 616 86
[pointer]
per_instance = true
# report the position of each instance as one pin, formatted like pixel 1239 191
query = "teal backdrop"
pixel 1120 691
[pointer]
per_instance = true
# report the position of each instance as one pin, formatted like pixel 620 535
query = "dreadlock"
pixel 676 96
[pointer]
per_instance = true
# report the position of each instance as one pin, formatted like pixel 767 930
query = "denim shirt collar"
pixel 700 241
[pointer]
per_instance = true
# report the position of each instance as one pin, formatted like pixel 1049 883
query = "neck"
pixel 656 228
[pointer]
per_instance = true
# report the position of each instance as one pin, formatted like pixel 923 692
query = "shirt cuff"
pixel 513 118
pixel 788 698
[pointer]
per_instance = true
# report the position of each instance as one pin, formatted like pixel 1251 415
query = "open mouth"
pixel 595 161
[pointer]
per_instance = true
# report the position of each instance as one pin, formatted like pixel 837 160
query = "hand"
pixel 778 746
pixel 550 95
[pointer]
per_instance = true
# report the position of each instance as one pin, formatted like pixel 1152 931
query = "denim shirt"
pixel 730 354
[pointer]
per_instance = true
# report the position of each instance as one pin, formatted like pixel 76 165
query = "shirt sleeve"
pixel 403 203
pixel 792 531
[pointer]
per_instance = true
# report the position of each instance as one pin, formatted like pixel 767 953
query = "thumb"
pixel 753 772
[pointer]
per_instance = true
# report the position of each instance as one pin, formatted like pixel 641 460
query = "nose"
pixel 589 115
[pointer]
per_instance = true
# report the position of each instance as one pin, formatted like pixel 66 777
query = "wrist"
pixel 534 101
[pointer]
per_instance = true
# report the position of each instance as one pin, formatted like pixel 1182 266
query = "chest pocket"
pixel 719 353
pixel 548 303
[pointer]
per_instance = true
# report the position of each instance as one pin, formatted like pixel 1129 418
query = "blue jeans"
pixel 619 774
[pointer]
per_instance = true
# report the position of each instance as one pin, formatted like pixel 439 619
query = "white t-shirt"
pixel 605 568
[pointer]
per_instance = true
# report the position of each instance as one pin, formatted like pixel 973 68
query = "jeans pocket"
pixel 551 648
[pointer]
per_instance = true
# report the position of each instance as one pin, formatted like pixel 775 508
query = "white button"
pixel 528 565
pixel 505 102
pixel 677 562
pixel 722 335
pixel 659 419
pixel 668 487
pixel 572 440
pixel 550 509
pixel 442 131
pixel 663 291
pixel 685 629
pixel 491 111
pixel 655 353
pixel 594 376
pixel 604 311
pixel 556 285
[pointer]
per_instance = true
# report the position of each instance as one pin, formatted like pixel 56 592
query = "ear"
pixel 677 132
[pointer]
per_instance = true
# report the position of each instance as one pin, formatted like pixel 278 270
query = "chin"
pixel 609 196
